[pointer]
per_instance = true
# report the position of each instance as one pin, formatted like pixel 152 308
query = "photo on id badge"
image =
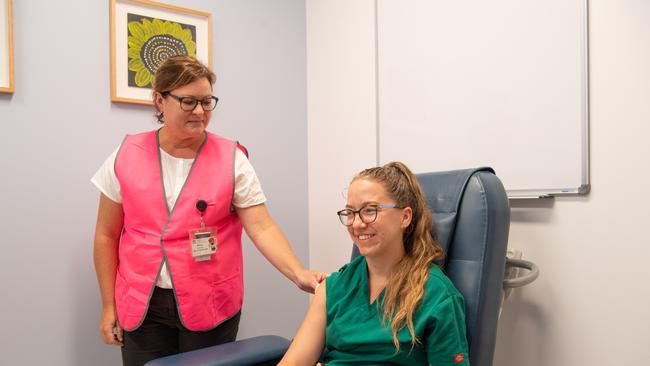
pixel 204 243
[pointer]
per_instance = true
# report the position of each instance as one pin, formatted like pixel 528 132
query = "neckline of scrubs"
pixel 365 285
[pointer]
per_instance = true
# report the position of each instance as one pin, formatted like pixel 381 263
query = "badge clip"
pixel 203 240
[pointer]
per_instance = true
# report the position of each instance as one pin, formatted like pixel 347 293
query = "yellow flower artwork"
pixel 151 41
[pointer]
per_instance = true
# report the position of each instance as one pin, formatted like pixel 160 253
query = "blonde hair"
pixel 178 71
pixel 405 287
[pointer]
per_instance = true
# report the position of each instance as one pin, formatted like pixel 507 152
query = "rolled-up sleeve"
pixel 248 190
pixel 106 181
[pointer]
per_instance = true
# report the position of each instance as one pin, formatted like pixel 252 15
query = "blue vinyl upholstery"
pixel 472 216
pixel 472 212
pixel 250 351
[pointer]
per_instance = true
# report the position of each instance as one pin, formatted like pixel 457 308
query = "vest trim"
pixel 117 155
pixel 170 214
pixel 232 196
pixel 151 294
pixel 169 217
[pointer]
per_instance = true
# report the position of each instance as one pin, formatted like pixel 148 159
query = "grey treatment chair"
pixel 472 218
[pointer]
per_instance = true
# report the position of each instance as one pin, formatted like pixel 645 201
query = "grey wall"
pixel 60 125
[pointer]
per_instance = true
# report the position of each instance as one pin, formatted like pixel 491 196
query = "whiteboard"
pixel 500 83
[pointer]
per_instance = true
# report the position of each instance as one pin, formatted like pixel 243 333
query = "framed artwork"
pixel 143 34
pixel 6 48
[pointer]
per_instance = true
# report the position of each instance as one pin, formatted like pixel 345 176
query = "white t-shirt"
pixel 248 191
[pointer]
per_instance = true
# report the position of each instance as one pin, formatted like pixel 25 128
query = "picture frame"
pixel 143 34
pixel 6 47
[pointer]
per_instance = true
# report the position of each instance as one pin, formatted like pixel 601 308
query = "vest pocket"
pixel 227 296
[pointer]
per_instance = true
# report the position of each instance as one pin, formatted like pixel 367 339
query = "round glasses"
pixel 188 104
pixel 367 214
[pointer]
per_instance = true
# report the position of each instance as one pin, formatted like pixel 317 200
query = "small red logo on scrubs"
pixel 459 358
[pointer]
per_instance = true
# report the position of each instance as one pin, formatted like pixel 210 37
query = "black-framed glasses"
pixel 367 214
pixel 188 104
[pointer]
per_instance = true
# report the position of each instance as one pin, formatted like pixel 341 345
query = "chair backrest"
pixel 472 217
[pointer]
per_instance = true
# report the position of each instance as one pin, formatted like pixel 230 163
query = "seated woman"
pixel 393 304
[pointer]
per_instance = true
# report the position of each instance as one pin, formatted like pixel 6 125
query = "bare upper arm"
pixel 309 342
pixel 255 219
pixel 110 218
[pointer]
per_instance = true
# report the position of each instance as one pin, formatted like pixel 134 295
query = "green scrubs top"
pixel 355 333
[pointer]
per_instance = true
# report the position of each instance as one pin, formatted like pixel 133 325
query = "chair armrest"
pixel 240 353
pixel 521 280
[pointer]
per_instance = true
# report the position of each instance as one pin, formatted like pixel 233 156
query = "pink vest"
pixel 207 292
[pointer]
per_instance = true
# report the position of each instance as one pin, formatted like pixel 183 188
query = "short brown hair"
pixel 178 71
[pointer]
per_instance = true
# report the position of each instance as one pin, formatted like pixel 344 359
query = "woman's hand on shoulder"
pixel 308 280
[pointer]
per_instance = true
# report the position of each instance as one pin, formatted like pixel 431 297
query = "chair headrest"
pixel 444 192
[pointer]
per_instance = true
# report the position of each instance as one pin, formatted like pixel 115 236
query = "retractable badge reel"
pixel 203 239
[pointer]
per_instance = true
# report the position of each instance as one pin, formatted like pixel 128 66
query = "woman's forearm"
pixel 105 258
pixel 110 221
pixel 271 242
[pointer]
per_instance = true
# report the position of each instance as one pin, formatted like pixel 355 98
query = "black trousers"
pixel 162 334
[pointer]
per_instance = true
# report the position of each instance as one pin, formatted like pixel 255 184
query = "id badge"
pixel 203 242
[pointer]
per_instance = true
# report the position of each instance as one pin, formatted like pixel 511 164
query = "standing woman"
pixel 173 202
pixel 392 305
